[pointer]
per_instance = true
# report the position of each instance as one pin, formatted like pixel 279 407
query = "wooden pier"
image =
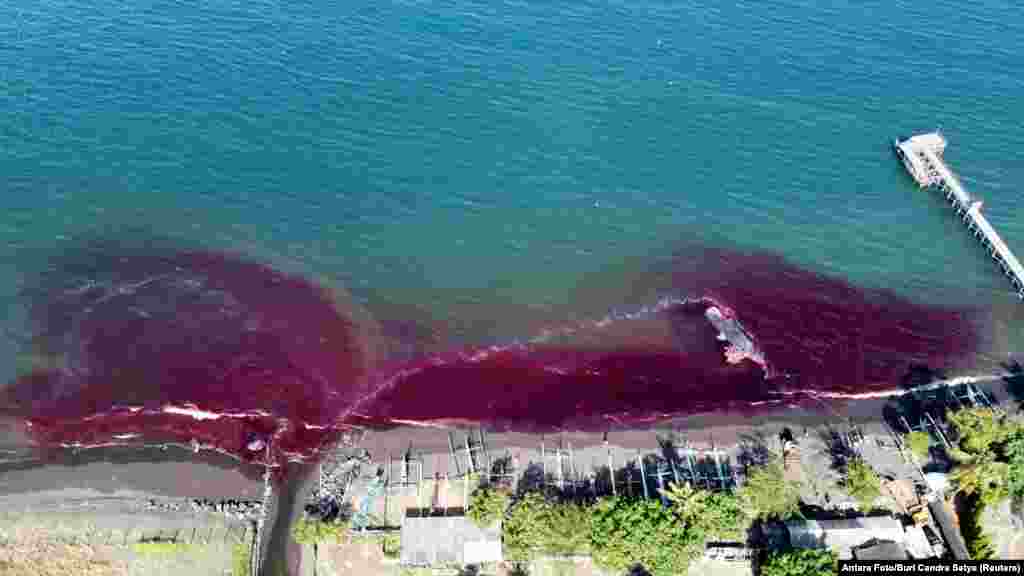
pixel 922 157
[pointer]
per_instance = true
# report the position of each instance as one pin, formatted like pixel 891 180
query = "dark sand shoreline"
pixel 181 473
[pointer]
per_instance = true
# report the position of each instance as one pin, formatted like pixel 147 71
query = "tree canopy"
pixel 627 532
pixel 918 443
pixel 487 504
pixel 800 562
pixel 989 455
pixel 979 544
pixel 1015 465
pixel 979 429
pixel 767 494
pixel 537 524
pixel 620 533
pixel 718 515
pixel 862 483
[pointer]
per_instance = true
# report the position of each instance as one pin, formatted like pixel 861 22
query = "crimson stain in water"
pixel 264 353
pixel 818 334
pixel 274 355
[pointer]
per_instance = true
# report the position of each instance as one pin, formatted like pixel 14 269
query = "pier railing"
pixel 968 209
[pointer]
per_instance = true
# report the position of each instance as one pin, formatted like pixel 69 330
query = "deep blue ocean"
pixel 478 165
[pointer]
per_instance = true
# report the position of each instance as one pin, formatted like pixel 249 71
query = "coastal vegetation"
pixel 627 532
pixel 979 544
pixel 988 455
pixel 862 483
pixel 918 443
pixel 538 524
pixel 719 515
pixel 620 533
pixel 800 562
pixel 767 494
pixel 988 469
pixel 487 504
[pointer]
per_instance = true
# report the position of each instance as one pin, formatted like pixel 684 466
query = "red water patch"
pixel 281 360
pixel 268 352
pixel 827 334
pixel 818 335
pixel 552 389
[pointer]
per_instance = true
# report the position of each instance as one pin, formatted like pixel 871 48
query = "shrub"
pixel 718 515
pixel 767 494
pixel 918 443
pixel 537 525
pixel 862 483
pixel 487 504
pixel 309 530
pixel 978 429
pixel 627 532
pixel 802 562
pixel 981 475
pixel 621 533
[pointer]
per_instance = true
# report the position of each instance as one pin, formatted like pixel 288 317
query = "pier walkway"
pixel 922 156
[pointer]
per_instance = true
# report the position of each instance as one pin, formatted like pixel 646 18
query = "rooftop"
pixel 435 540
pixel 844 534
pixel 881 551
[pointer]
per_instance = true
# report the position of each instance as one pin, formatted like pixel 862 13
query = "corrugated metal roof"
pixel 844 534
pixel 881 551
pixel 434 540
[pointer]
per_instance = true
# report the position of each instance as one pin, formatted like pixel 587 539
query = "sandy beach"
pixel 180 473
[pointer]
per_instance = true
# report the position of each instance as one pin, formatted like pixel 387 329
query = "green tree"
pixel 979 544
pixel 918 443
pixel 718 515
pixel 988 454
pixel 1015 465
pixel 862 483
pixel 978 429
pixel 982 475
pixel 487 504
pixel 767 494
pixel 800 562
pixel 629 532
pixel 537 525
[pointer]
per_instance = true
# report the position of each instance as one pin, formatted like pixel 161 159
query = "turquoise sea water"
pixel 478 163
